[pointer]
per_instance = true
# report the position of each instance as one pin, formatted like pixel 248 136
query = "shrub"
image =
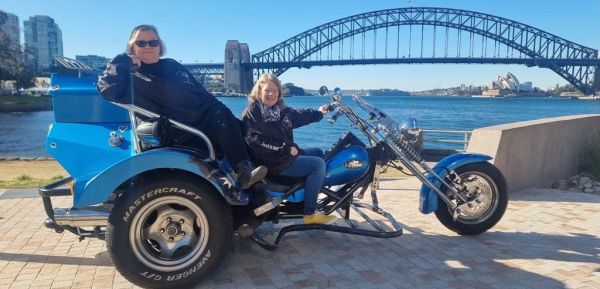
pixel 592 161
pixel 24 178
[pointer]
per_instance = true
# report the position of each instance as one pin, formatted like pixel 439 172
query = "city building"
pixel 43 41
pixel 9 24
pixel 93 61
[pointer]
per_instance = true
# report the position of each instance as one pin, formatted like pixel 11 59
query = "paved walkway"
pixel 547 239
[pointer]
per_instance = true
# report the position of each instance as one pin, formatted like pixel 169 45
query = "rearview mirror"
pixel 323 90
pixel 337 94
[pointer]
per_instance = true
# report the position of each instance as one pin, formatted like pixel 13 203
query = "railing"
pixel 454 137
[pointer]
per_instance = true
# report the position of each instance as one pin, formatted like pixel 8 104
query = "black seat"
pixel 159 133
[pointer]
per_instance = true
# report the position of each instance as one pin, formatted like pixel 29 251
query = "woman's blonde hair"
pixel 137 30
pixel 255 94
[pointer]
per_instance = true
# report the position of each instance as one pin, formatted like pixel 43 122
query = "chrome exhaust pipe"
pixel 80 218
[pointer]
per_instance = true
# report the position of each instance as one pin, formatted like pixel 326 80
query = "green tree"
pixel 12 60
pixel 560 89
pixel 290 89
pixel 215 87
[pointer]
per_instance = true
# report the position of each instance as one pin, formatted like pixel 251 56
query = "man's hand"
pixel 136 62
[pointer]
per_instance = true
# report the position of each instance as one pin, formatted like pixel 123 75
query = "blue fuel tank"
pixel 346 165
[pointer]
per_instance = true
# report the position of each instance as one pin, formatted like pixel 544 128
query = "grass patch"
pixel 26 182
pixel 9 103
pixel 394 173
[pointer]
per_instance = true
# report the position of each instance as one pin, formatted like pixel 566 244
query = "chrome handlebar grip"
pixel 334 117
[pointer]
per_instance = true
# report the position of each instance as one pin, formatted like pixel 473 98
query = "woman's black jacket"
pixel 165 87
pixel 270 142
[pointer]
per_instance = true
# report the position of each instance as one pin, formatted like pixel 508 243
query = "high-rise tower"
pixel 9 24
pixel 43 41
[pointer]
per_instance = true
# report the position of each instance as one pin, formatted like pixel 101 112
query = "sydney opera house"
pixel 509 85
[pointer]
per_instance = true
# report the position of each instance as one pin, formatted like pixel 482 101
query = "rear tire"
pixel 487 188
pixel 169 233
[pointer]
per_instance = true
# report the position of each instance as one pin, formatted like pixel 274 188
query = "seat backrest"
pixel 156 133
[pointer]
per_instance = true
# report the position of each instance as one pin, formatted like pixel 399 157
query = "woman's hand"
pixel 324 109
pixel 293 151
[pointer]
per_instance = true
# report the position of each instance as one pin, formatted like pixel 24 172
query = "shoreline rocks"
pixel 583 182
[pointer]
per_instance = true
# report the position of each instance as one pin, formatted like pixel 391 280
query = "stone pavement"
pixel 547 239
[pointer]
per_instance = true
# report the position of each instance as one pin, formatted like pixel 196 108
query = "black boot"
pixel 248 174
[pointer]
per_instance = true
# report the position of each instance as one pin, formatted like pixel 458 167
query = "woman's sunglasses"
pixel 143 43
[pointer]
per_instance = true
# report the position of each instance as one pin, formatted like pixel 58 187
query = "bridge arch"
pixel 576 63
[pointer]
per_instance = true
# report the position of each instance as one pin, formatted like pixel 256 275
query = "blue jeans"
pixel 311 165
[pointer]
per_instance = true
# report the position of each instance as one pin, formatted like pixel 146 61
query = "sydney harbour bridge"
pixel 412 35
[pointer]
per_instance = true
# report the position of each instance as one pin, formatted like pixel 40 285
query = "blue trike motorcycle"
pixel 168 212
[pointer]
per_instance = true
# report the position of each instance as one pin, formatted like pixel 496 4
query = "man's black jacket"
pixel 165 87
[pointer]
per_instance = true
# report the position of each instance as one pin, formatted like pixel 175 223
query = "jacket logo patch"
pixel 287 122
pixel 141 76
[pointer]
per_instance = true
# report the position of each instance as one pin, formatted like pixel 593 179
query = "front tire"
pixel 485 188
pixel 169 233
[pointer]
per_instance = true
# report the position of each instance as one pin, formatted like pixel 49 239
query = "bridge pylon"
pixel 237 77
pixel 596 85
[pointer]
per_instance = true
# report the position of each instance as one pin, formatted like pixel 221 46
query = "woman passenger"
pixel 268 125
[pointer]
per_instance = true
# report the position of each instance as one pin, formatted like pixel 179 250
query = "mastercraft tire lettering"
pixel 169 233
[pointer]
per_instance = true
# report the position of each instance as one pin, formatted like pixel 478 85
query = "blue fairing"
pixel 82 148
pixel 428 201
pixel 98 188
pixel 77 100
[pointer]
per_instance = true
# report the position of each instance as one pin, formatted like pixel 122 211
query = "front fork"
pixel 454 189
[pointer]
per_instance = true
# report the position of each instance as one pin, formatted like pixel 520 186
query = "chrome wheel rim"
pixel 169 233
pixel 481 194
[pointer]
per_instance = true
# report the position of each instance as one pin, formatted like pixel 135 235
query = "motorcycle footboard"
pixel 377 232
pixel 61 188
pixel 56 189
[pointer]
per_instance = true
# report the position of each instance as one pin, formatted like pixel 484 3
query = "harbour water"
pixel 23 134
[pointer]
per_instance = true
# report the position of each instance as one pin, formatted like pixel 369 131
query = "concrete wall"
pixel 537 153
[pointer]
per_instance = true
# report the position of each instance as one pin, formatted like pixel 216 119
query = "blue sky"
pixel 196 31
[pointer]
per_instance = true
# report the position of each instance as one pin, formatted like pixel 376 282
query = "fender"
pixel 97 189
pixel 428 200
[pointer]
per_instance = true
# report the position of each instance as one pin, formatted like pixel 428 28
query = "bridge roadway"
pixel 547 239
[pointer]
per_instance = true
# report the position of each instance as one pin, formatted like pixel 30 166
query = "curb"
pixel 26 159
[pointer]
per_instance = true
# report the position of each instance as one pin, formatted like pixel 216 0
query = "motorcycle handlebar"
pixel 334 117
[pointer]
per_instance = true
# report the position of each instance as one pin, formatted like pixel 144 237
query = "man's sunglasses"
pixel 143 43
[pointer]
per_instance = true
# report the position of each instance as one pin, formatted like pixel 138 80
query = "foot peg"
pixel 268 206
pixel 249 175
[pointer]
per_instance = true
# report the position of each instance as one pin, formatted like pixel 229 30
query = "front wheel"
pixel 485 191
pixel 168 233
